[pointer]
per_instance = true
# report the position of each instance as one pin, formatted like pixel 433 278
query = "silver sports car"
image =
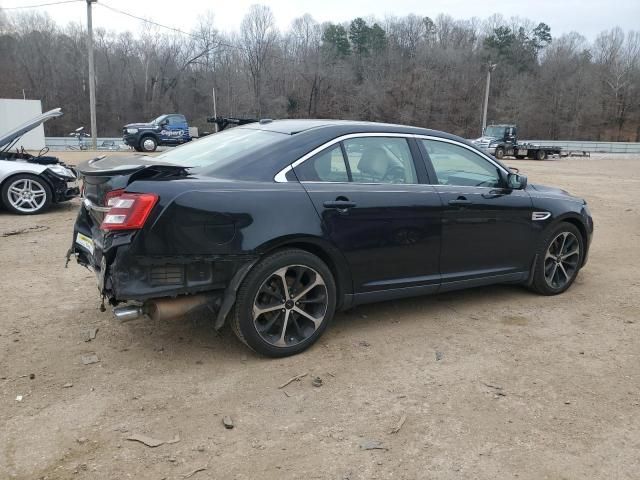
pixel 31 183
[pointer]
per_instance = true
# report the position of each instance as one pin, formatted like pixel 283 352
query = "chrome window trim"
pixel 281 176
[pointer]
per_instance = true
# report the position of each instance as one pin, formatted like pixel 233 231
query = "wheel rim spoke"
pixel 573 252
pixel 316 321
pixel 564 272
pixel 308 288
pixel 282 275
pixel 285 323
pixel 257 311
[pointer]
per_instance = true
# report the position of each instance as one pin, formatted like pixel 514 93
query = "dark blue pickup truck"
pixel 168 129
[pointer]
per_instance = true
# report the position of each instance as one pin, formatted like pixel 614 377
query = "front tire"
pixel 26 194
pixel 559 260
pixel 285 303
pixel 499 153
pixel 148 144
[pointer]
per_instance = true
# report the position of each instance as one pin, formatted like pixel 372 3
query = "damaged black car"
pixel 275 225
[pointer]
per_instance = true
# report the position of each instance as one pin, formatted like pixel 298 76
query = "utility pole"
pixel 490 68
pixel 215 112
pixel 92 78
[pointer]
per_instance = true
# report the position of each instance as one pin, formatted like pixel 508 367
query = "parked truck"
pixel 169 129
pixel 502 141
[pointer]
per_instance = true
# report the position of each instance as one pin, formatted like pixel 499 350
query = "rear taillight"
pixel 128 211
pixel 112 196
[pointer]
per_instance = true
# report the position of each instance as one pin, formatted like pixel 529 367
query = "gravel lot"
pixel 494 382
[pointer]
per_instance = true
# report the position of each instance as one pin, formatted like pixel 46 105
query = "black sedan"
pixel 275 225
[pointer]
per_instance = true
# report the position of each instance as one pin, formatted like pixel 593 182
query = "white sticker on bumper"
pixel 85 242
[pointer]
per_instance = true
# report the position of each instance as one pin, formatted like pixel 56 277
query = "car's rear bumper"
pixel 124 273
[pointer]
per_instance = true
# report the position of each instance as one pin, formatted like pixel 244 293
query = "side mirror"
pixel 164 122
pixel 515 181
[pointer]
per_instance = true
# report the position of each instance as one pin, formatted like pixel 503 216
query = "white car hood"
pixel 17 132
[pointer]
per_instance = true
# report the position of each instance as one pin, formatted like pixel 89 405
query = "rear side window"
pixel 216 151
pixel 380 160
pixel 326 166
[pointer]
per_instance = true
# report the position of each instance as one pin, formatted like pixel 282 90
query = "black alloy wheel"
pixel 285 303
pixel 559 260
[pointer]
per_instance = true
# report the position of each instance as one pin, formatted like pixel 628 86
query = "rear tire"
pixel 26 194
pixel 541 155
pixel 559 260
pixel 279 321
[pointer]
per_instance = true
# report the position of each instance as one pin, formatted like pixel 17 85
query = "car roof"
pixel 299 137
pixel 295 126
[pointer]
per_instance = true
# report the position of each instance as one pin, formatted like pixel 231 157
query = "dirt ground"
pixel 494 382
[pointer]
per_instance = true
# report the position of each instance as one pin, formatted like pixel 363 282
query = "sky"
pixel 588 17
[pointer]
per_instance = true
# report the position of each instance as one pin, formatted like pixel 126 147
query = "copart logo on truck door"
pixel 172 133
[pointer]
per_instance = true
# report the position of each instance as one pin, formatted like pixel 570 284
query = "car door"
pixel 367 190
pixel 487 231
pixel 181 129
pixel 172 132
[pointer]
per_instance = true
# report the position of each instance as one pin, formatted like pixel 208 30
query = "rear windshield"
pixel 220 149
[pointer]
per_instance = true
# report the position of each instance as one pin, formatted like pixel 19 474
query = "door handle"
pixel 494 193
pixel 460 202
pixel 339 204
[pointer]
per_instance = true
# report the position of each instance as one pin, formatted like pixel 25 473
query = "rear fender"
pixel 323 249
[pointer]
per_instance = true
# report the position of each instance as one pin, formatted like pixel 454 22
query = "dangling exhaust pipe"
pixel 162 309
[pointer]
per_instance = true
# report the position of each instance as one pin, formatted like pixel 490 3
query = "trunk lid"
pixel 102 175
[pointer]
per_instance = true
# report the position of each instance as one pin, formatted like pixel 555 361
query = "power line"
pixel 122 12
pixel 41 5
pixel 177 30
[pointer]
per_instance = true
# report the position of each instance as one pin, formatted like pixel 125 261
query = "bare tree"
pixel 259 34
pixel 410 69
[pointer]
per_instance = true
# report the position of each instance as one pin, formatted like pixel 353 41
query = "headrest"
pixel 374 161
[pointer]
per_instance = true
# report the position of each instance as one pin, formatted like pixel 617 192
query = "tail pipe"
pixel 162 309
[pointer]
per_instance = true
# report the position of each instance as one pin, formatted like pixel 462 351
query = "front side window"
pixel 380 160
pixel 159 120
pixel 494 131
pixel 326 166
pixel 456 165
